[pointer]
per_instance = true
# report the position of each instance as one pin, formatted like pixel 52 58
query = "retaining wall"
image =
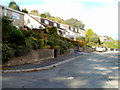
pixel 35 56
pixel 88 50
pixel 31 57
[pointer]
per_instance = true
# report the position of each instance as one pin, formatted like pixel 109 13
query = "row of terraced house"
pixel 21 19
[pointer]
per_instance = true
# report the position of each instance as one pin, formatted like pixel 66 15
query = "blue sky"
pixel 24 2
pixel 87 3
pixel 99 15
pixel 93 4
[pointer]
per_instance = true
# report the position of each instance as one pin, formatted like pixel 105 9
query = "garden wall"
pixel 88 49
pixel 35 56
pixel 81 49
pixel 31 57
pixel 71 51
pixel 58 53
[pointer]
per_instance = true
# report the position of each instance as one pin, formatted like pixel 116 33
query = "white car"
pixel 100 49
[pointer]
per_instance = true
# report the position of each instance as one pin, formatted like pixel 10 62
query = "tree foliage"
pixel 89 33
pixel 75 23
pixel 14 6
pixel 25 10
pixel 95 39
pixel 92 37
pixel 45 15
pixel 34 12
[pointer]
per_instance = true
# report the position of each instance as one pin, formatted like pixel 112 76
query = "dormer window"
pixel 46 22
pixel 75 30
pixel 55 24
pixel 71 28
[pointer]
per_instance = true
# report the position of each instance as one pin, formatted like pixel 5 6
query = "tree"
pixel 89 33
pixel 24 10
pixel 43 15
pixel 47 14
pixel 75 23
pixel 13 5
pixel 92 37
pixel 34 12
pixel 95 39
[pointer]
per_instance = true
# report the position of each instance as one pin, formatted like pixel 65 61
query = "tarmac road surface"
pixel 91 70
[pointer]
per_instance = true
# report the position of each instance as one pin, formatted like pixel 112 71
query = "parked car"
pixel 101 49
pixel 89 46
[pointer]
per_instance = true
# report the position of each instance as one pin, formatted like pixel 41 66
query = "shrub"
pixel 7 53
pixel 6 31
pixel 64 44
pixel 40 43
pixel 20 50
pixel 51 30
pixel 51 44
pixel 47 46
pixel 53 41
pixel 10 33
pixel 32 42
pixel 71 45
pixel 62 51
pixel 36 35
pixel 81 43
pixel 17 37
pixel 25 33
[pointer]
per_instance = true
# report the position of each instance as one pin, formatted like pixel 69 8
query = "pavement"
pixel 37 66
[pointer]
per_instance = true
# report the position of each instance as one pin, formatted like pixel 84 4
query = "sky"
pixel 99 15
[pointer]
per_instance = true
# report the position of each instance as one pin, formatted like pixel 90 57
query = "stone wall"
pixel 58 54
pixel 71 51
pixel 81 49
pixel 33 56
pixel 88 49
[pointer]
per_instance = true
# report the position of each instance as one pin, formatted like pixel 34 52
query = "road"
pixel 92 70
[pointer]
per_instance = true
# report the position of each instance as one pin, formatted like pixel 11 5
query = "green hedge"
pixel 7 52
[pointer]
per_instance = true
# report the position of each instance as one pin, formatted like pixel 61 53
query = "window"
pixel 28 21
pixel 15 15
pixel 55 24
pixel 46 22
pixel 75 30
pixel 71 28
pixel 5 12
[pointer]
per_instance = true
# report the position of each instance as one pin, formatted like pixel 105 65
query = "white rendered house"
pixel 32 23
